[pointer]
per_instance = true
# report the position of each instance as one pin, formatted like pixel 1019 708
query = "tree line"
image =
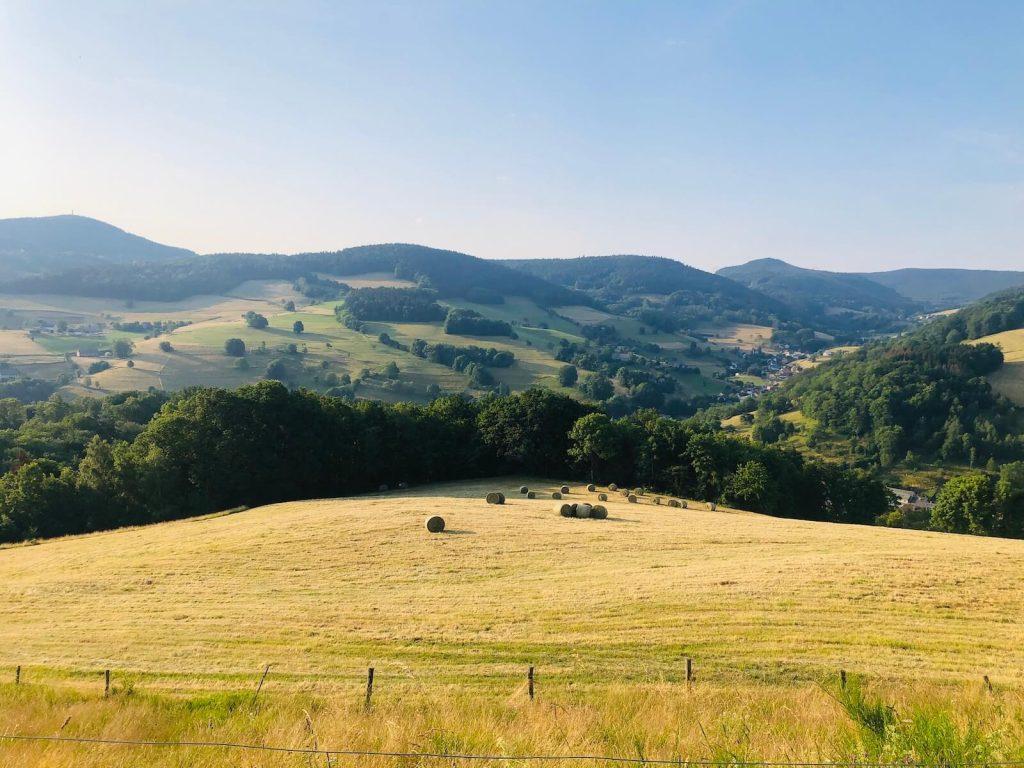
pixel 134 459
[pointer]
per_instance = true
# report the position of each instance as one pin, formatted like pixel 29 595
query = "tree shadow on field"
pixel 458 532
pixel 621 520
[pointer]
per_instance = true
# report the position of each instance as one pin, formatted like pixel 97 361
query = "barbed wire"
pixel 494 758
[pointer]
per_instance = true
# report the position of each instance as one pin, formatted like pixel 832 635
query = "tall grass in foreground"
pixel 928 733
pixel 729 725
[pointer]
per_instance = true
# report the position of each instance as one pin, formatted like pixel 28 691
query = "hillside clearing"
pixel 1009 379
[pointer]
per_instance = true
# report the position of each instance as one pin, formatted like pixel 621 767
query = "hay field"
pixel 188 613
pixel 741 335
pixel 1009 379
pixel 321 588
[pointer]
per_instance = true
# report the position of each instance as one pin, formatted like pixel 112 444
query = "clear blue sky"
pixel 845 135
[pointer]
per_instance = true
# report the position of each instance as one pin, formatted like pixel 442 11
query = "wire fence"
pixel 455 757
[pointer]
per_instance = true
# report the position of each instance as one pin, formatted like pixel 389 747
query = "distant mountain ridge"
pixel 904 289
pixel 947 288
pixel 30 246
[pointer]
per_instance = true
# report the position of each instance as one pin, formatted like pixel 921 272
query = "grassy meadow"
pixel 326 346
pixel 187 614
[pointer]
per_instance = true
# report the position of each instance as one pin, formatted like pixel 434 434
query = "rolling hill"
pixel 450 273
pixel 31 246
pixel 819 290
pixel 321 587
pixel 613 277
pixel 188 614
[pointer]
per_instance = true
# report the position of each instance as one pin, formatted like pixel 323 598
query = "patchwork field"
pixel 324 351
pixel 188 613
pixel 1009 379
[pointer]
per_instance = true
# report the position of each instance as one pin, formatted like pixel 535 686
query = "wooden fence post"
pixel 369 686
pixel 106 682
pixel 17 675
pixel 689 669
pixel 529 676
pixel 842 678
pixel 266 671
pixel 988 683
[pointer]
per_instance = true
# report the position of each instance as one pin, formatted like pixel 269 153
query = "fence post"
pixel 529 676
pixel 266 671
pixel 369 686
pixel 689 669
pixel 988 683
pixel 842 678
pixel 17 675
pixel 106 682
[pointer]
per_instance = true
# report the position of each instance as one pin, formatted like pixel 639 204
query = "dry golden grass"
pixel 187 613
pixel 701 721
pixel 324 588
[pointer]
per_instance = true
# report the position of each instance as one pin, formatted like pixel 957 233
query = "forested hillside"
pixel 449 273
pixel 848 299
pixel 32 246
pixel 613 278
pixel 923 403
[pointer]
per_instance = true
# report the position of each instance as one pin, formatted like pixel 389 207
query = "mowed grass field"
pixel 187 614
pixel 1009 379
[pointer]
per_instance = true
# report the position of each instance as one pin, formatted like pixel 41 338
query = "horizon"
pixel 886 136
pixel 443 248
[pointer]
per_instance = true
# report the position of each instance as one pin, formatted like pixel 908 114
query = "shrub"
pixel 234 347
pixel 166 346
pixel 255 320
pixel 122 348
pixel 568 375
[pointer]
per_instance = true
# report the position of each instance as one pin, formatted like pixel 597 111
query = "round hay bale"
pixel 712 506
pixel 657 499
pixel 556 495
pixel 591 487
pixel 435 524
pixel 531 495
pixel 631 498
pixel 583 510
pixel 612 487
pixel 564 489
pixel 625 492
pixel 402 486
pixel 494 497
pixel 523 489
pixel 683 503
pixel 599 512
pixel 602 497
pixel 673 503
pixel 639 491
pixel 383 489
pixel 565 510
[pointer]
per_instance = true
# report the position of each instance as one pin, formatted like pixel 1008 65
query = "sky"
pixel 852 135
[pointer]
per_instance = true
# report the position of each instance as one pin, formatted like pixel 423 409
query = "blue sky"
pixel 843 135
